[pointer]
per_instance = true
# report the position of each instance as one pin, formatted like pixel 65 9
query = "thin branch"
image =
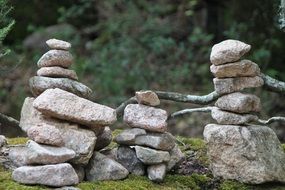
pixel 8 121
pixel 189 111
pixel 271 120
pixel 120 109
pixel 273 84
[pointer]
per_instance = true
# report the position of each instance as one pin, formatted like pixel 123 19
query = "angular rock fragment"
pixel 157 172
pixel 39 84
pixel 151 156
pixel 148 118
pixel 52 175
pixel 147 98
pixel 104 139
pixel 64 105
pixel 3 141
pixel 57 72
pixel 79 171
pixel 176 155
pixel 251 154
pixel 228 51
pixel 127 157
pixel 229 85
pixel 243 68
pixel 128 136
pixel 58 58
pixel 58 44
pixel 101 167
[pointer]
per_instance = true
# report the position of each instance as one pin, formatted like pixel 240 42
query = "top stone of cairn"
pixel 58 44
pixel 228 51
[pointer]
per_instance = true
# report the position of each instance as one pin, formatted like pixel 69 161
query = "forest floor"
pixel 193 173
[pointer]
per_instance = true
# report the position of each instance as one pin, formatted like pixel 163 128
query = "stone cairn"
pixel 236 149
pixel 66 130
pixel 147 147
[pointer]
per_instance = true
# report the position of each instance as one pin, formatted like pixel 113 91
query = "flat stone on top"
pixel 57 72
pixel 58 44
pixel 243 68
pixel 59 58
pixel 147 97
pixel 51 175
pixel 239 103
pixel 67 106
pixel 145 117
pixel 39 84
pixel 229 85
pixel 228 51
pixel 151 156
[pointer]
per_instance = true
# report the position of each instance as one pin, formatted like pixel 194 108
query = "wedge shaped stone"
pixel 151 156
pixel 147 98
pixel 128 136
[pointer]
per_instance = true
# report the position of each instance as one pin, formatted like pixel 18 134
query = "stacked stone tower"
pixel 147 147
pixel 238 150
pixel 63 126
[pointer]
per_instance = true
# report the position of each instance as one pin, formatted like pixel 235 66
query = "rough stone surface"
pixel 176 156
pixel 34 153
pixel 64 105
pixel 110 153
pixel 160 141
pixel 243 68
pixel 52 175
pixel 57 72
pixel 101 167
pixel 229 85
pixel 151 156
pixel 3 141
pixel 39 84
pixel 148 118
pixel 157 172
pixel 46 134
pixel 127 157
pixel 147 98
pixel 228 51
pixel 58 44
pixel 59 58
pixel 224 117
pixel 239 103
pixel 79 171
pixel 128 136
pixel 104 139
pixel 251 154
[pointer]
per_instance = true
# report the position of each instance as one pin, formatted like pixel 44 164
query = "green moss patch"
pixel 15 141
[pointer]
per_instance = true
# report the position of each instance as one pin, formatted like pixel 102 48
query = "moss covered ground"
pixel 193 181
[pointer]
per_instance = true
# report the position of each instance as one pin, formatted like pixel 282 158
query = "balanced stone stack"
pixel 147 147
pixel 238 150
pixel 63 126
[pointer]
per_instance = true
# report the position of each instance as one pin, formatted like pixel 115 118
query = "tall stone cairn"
pixel 237 149
pixel 66 130
pixel 147 147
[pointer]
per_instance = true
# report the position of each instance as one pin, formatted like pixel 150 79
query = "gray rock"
pixel 67 188
pixel 239 103
pixel 45 134
pixel 147 97
pixel 148 118
pixel 34 153
pixel 150 156
pixel 160 141
pixel 57 72
pixel 127 157
pixel 53 58
pixel 157 172
pixel 101 167
pixel 58 44
pixel 64 105
pixel 251 154
pixel 39 84
pixel 79 171
pixel 176 156
pixel 52 175
pixel 3 141
pixel 243 68
pixel 104 139
pixel 110 153
pixel 229 85
pixel 228 51
pixel 224 117
pixel 127 137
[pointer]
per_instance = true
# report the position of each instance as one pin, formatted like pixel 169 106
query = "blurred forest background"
pixel 121 46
